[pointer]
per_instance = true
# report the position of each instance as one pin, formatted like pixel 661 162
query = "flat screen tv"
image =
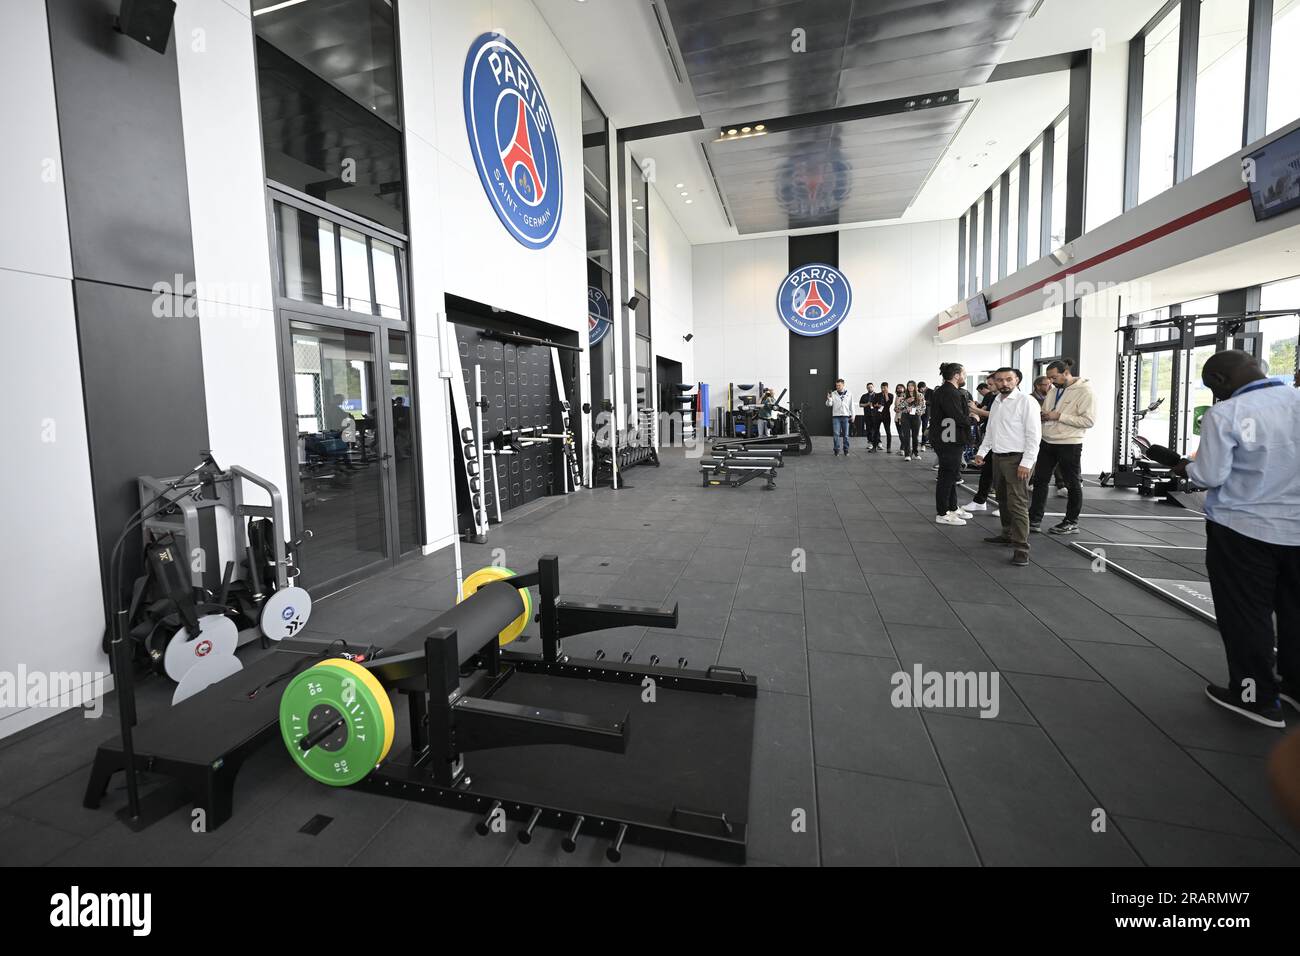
pixel 1273 175
pixel 978 310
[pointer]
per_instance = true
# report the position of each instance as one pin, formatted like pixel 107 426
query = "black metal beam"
pixel 683 124
pixel 1022 217
pixel 1036 66
pixel 1072 331
pixel 1076 147
pixel 1259 43
pixel 961 257
pixel 1133 121
pixel 973 219
pixel 1189 37
pixel 986 253
pixel 1004 220
pixel 1045 206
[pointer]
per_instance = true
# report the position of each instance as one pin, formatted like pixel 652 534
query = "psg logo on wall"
pixel 814 299
pixel 512 139
pixel 598 323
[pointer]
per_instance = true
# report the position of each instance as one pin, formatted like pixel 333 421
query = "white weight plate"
pixel 285 613
pixel 217 636
pixel 206 672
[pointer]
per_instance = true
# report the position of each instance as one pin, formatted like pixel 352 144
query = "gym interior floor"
pixel 1102 701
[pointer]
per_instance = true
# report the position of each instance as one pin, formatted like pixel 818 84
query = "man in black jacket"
pixel 949 430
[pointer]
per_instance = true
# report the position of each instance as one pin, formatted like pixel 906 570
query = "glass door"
pixel 339 417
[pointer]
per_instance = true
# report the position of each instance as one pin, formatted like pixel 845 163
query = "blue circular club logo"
pixel 814 299
pixel 512 139
pixel 598 323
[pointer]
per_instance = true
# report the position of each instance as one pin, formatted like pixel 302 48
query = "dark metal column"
pixel 1004 210
pixel 1072 332
pixel 1076 147
pixel 1133 124
pixel 1022 218
pixel 987 251
pixel 1045 210
pixel 961 258
pixel 1189 37
pixel 1259 42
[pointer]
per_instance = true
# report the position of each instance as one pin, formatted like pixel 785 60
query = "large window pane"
pixel 328 89
pixel 1034 253
pixel 1284 65
pixel 1220 81
pixel 1159 99
pixel 387 280
pixel 977 244
pixel 356 273
pixel 307 262
pixel 640 192
pixel 1279 334
pixel 1013 220
pixel 1059 164
pixel 995 239
pixel 595 177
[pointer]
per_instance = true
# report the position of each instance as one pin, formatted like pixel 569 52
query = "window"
pixel 1284 65
pixel 1280 333
pixel 1159 102
pixel 1220 81
pixel 318 257
pixel 977 246
pixel 1013 221
pixel 1061 138
pixel 331 120
pixel 595 180
pixel 1035 211
pixel 640 192
pixel 995 237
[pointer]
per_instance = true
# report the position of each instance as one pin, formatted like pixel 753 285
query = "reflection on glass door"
pixel 341 464
pixel 1199 398
pixel 406 479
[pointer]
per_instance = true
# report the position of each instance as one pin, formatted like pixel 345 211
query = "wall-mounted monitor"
pixel 978 310
pixel 1273 175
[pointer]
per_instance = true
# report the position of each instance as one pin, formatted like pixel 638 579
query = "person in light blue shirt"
pixel 1249 460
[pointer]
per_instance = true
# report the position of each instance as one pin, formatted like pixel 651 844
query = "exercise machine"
pixel 635 753
pixel 775 453
pixel 793 437
pixel 737 471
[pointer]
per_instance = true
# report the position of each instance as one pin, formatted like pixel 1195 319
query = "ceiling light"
pixel 683 192
pixel 689 201
pixel 926 101
pixel 992 142
pixel 278 6
pixel 731 132
pixel 760 127
pixel 911 103
pixel 681 186
pixel 747 129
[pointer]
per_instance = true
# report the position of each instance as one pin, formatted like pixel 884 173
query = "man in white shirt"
pixel 1013 434
pixel 1249 459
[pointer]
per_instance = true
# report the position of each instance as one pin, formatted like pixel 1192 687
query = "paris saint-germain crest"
pixel 814 299
pixel 512 138
pixel 598 323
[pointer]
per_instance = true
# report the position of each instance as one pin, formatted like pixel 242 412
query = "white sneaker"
pixel 975 506
pixel 949 519
pixel 907 458
pixel 1062 492
pixel 995 513
pixel 962 516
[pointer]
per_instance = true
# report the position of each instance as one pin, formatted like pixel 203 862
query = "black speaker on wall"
pixel 148 21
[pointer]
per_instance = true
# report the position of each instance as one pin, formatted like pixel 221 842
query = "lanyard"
pixel 1255 386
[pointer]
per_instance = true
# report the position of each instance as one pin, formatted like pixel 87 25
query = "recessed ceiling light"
pixel 992 142
pixel 731 132
pixel 681 185
pixel 689 201
pixel 760 127
pixel 747 129
pixel 911 103
pixel 683 192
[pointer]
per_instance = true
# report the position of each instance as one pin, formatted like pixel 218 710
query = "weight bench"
pixel 776 453
pixel 543 739
pixel 736 471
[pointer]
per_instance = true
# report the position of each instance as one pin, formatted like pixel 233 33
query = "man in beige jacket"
pixel 1068 412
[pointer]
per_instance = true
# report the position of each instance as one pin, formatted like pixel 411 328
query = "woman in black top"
pixel 885 398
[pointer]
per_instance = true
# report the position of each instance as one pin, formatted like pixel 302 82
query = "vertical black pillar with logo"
pixel 814 359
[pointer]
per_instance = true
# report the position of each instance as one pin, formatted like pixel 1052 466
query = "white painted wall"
pixel 671 291
pixel 46 503
pixel 900 275
pixel 232 257
pixel 458 245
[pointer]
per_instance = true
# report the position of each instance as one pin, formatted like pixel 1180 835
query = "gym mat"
pixel 687 750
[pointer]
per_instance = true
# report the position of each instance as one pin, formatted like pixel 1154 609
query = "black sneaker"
pixel 1290 694
pixel 1020 559
pixel 1036 527
pixel 837 453
pixel 997 539
pixel 1065 527
pixel 1270 715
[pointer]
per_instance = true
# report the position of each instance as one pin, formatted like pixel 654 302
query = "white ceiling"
pixel 633 81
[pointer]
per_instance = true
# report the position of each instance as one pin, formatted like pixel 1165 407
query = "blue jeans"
pixel 840 431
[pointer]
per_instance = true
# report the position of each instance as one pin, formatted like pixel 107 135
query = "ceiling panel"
pixel 857 171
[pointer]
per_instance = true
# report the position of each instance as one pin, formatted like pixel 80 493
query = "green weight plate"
pixel 330 694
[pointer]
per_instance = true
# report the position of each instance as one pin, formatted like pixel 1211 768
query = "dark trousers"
pixel 887 422
pixel 986 482
pixel 945 490
pixel 909 428
pixel 1013 499
pixel 1252 580
pixel 1050 458
pixel 873 428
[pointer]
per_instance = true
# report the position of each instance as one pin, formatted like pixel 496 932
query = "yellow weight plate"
pixel 496 573
pixel 377 689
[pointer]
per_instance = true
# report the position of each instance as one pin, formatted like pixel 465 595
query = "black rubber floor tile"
pixel 910 599
pixel 1022 803
pixel 868 820
pixel 769 645
pixel 25 842
pixel 1192 643
pixel 1018 642
pixel 1173 698
pixel 1129 763
pixel 1067 613
pixel 1164 844
pixel 845 623
pixel 782 783
pixel 953 650
pixel 1247 778
pixel 770 589
pixel 856 725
